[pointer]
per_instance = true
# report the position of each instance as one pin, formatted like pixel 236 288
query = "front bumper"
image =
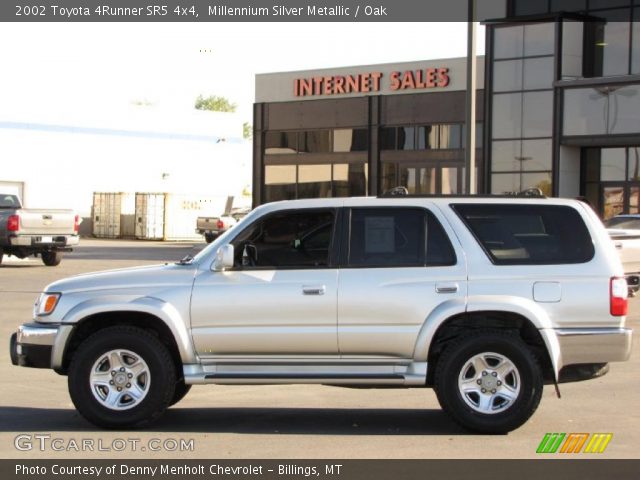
pixel 594 345
pixel 38 346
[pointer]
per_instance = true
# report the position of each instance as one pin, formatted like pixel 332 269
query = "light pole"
pixel 470 150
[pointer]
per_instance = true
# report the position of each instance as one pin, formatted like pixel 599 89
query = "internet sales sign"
pixel 371 82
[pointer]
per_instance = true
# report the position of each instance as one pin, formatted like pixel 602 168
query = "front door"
pixel 279 299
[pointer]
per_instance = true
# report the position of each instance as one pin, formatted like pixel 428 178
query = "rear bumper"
pixel 38 346
pixel 42 241
pixel 594 345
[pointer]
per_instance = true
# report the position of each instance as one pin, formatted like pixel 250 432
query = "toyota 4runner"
pixel 483 299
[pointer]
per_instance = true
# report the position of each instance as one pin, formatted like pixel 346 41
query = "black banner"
pixel 246 10
pixel 578 469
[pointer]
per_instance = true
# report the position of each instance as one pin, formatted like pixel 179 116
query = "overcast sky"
pixel 53 66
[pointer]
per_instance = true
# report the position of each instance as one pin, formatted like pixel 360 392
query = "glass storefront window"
pixel 635 41
pixel 517 182
pixel 315 141
pixel 610 43
pixel 449 180
pixel 280 142
pixel 585 111
pixel 350 140
pixel 572 46
pixel 539 39
pixel 508 42
pixel 633 167
pixel 537 118
pixel 612 164
pixel 427 137
pixel 536 155
pixel 350 179
pixel 314 181
pixel 507 115
pixel 613 198
pixel 507 75
pixel 450 136
pixel 624 108
pixel 538 73
pixel 602 110
pixel 388 177
pixel 406 138
pixel 280 182
pixel 505 155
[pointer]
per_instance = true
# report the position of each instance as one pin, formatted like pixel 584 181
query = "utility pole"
pixel 470 150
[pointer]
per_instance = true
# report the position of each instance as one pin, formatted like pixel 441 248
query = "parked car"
pixel 213 227
pixel 624 230
pixel 47 233
pixel 483 299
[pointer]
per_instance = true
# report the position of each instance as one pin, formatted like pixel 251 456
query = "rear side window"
pixel 528 234
pixel 397 237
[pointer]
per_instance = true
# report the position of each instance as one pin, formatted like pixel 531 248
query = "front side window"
pixel 397 237
pixel 300 239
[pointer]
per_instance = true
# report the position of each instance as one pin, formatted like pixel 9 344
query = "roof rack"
pixel 403 192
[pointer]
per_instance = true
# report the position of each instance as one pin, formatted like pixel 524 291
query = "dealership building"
pixel 558 109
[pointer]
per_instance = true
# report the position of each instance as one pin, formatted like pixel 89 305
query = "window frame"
pixel 521 262
pixel 346 234
pixel 334 245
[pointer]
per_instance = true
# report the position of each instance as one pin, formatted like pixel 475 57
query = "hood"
pixel 148 277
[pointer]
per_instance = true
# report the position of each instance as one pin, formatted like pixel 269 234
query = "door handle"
pixel 447 288
pixel 313 289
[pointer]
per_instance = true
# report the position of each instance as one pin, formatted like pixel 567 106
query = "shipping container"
pixel 112 212
pixel 149 216
pixel 181 213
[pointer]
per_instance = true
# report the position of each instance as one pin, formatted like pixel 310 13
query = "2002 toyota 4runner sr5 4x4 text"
pixel 483 299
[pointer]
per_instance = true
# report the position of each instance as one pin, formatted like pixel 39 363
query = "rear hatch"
pixel 46 222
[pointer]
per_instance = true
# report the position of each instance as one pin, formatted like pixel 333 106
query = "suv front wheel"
pixel 489 381
pixel 122 377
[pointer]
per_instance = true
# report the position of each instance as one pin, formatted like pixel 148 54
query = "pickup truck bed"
pixel 44 232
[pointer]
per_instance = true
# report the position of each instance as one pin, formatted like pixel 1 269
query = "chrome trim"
pixel 60 344
pixel 35 334
pixel 594 345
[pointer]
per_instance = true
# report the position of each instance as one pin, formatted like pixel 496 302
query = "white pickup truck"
pixel 25 232
pixel 624 230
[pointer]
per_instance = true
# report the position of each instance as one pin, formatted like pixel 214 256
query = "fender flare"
pixel 493 303
pixel 163 311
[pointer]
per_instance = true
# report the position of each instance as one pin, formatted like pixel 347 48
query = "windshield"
pixel 628 223
pixel 9 201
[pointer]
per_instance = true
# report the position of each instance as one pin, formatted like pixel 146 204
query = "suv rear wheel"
pixel 489 381
pixel 122 377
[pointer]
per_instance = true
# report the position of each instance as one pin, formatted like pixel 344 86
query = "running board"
pixel 407 374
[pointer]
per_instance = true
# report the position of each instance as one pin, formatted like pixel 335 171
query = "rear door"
pixel 399 266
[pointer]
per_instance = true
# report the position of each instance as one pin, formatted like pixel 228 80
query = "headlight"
pixel 46 303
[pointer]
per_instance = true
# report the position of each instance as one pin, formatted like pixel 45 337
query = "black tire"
pixel 162 374
pixel 180 392
pixel 1 255
pixel 457 356
pixel 51 259
pixel 210 237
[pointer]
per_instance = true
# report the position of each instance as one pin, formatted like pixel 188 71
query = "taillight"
pixel 76 224
pixel 220 224
pixel 13 223
pixel 618 293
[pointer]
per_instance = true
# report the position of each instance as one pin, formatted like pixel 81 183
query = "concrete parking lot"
pixel 279 421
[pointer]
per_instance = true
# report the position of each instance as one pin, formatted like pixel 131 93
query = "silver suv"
pixel 483 299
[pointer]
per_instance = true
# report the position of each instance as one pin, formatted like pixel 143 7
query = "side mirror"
pixel 224 258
